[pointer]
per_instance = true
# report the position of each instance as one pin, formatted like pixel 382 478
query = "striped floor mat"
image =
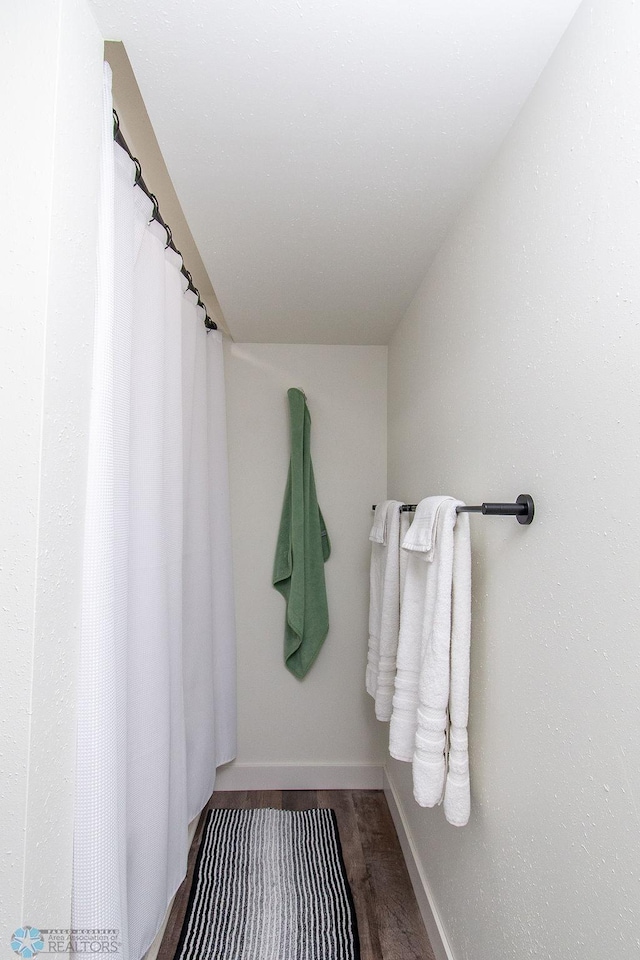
pixel 269 885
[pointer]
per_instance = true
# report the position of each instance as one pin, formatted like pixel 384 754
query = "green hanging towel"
pixel 302 549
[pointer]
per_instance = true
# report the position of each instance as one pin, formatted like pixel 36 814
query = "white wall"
pixel 50 96
pixel 320 730
pixel 516 371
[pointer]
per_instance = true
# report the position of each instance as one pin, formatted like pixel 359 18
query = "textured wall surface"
pixel 51 103
pixel 514 371
pixel 327 718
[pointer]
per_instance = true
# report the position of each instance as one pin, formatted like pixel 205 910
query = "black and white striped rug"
pixel 270 885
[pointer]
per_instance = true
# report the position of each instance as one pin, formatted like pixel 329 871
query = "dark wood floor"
pixel 389 921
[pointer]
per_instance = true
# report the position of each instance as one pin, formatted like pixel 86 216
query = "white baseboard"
pixel 300 776
pixel 424 896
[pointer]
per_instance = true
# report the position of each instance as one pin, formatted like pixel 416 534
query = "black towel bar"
pixel 523 509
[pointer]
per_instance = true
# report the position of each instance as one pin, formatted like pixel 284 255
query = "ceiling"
pixel 320 149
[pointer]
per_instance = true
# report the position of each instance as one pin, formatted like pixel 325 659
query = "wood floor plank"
pixel 400 928
pixel 361 889
pixel 375 824
pixel 230 799
pixel 266 798
pixel 299 799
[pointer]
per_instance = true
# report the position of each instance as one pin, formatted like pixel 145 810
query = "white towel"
pixel 403 711
pixel 422 534
pixel 429 758
pixel 384 606
pixel 379 529
pixel 457 794
pixel 416 562
pixel 444 672
pixel 405 523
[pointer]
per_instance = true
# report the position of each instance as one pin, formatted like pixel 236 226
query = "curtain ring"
pixel 156 207
pixel 169 236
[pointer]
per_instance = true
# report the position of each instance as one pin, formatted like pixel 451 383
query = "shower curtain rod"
pixel 523 509
pixel 156 215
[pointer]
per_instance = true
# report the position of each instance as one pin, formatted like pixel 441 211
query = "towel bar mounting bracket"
pixel 527 516
pixel 523 509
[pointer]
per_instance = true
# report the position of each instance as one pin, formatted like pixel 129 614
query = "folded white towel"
pixel 384 606
pixel 379 529
pixel 429 759
pixel 404 695
pixel 402 730
pixel 405 523
pixel 457 795
pixel 418 547
pixel 422 534
pixel 442 751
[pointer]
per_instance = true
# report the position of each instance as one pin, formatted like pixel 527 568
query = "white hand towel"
pixel 404 700
pixel 417 580
pixel 429 759
pixel 457 795
pixel 405 523
pixel 423 532
pixel 384 608
pixel 377 535
pixel 379 529
pixel 402 730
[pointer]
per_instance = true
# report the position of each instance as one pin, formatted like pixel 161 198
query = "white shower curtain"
pixel 208 608
pixel 156 686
